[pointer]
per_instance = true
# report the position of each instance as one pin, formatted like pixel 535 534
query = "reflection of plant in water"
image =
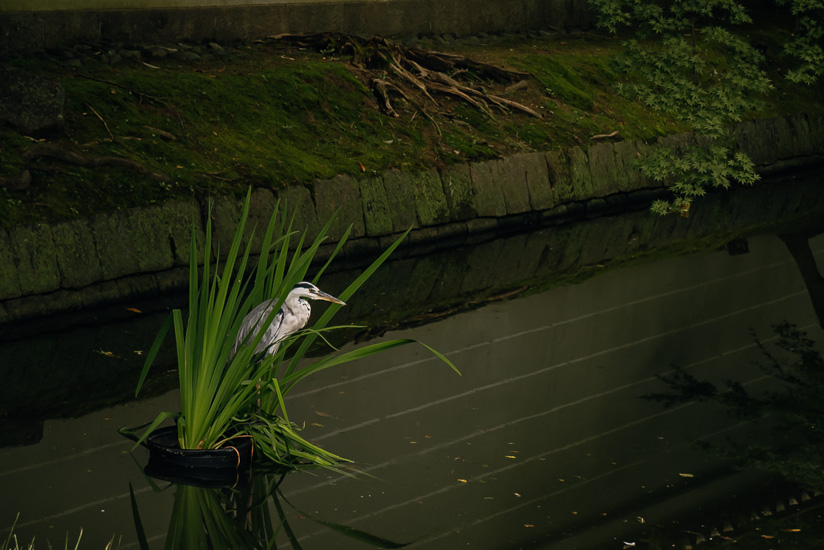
pixel 251 515
pixel 796 411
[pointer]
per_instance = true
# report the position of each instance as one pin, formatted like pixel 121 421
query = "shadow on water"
pixel 543 442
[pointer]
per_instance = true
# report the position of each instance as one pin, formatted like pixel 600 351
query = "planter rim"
pixel 165 455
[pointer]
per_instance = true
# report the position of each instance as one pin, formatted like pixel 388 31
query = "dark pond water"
pixel 543 442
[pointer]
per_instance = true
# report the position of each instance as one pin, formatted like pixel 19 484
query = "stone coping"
pixel 35 25
pixel 48 268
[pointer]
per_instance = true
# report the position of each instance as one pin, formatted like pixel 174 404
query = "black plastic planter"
pixel 195 466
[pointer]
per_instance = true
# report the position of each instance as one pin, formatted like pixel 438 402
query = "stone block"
pixel 340 197
pixel 677 142
pixel 806 131
pixel 151 239
pixel 629 176
pixel 262 204
pixel 430 202
pixel 645 149
pixel 296 200
pixel 603 169
pixel 533 165
pixel 753 140
pixel 559 176
pixel 114 243
pixel 9 283
pixel 77 257
pixel 457 189
pixel 224 214
pixel 181 217
pixel 401 199
pixel 511 176
pixel 783 138
pixel 377 217
pixel 487 190
pixel 579 173
pixel 36 258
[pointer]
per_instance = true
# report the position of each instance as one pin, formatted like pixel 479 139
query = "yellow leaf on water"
pixel 323 414
pixel 686 475
pixel 792 530
pixel 510 456
pixel 462 480
pixel 134 309
pixel 315 424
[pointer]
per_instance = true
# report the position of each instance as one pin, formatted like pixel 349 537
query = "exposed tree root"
pixel 17 184
pixel 52 151
pixel 413 72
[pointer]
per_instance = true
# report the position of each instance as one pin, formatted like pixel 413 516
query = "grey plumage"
pixel 293 316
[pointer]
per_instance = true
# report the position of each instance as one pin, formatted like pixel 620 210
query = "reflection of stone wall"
pixel 48 268
pixel 106 351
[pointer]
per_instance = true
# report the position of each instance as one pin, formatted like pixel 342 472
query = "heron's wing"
pixel 271 335
pixel 253 322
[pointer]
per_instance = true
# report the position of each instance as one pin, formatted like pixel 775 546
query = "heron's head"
pixel 311 292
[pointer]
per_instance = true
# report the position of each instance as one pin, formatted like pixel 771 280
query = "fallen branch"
pixel 111 136
pixel 52 151
pixel 602 136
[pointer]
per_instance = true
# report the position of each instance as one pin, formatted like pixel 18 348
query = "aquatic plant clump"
pixel 227 394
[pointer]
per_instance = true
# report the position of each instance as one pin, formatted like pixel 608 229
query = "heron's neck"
pixel 297 305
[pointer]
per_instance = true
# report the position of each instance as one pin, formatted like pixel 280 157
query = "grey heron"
pixel 293 316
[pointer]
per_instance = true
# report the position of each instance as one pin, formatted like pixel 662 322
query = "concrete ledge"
pixel 31 25
pixel 48 268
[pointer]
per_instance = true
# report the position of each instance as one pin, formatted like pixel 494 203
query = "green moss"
pixel 277 116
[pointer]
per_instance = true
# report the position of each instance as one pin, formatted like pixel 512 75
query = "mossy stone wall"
pixel 46 268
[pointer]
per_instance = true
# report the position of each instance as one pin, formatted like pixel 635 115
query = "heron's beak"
pixel 320 295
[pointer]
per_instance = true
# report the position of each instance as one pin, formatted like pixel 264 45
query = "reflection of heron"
pixel 293 316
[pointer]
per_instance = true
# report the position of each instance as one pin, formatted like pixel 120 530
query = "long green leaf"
pixel 142 542
pixel 150 357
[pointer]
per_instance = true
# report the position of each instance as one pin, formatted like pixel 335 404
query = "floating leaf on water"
pixel 686 475
pixel 792 530
pixel 511 456
pixel 528 525
pixel 134 309
pixel 462 480
pixel 323 414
